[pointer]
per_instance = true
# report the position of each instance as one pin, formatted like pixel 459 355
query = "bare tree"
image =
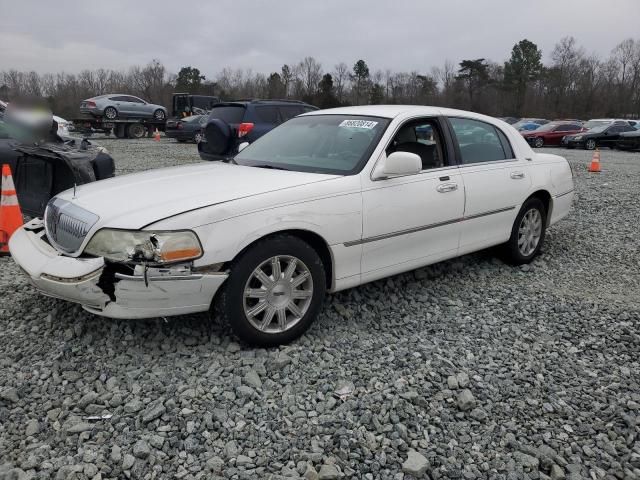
pixel 340 78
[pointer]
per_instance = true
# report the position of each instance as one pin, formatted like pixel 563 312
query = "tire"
pixel 590 144
pixel 120 131
pixel 135 130
pixel 159 115
pixel 538 142
pixel 111 113
pixel 271 302
pixel 515 253
pixel 219 137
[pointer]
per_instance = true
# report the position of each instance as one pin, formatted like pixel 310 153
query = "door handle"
pixel 447 187
pixel 517 175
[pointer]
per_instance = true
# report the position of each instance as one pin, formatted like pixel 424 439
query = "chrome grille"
pixel 67 224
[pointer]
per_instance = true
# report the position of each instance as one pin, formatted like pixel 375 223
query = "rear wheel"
pixel 111 113
pixel 135 130
pixel 590 144
pixel 527 233
pixel 274 291
pixel 197 137
pixel 538 142
pixel 159 115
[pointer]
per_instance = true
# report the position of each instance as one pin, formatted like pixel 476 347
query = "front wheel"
pixel 274 291
pixel 527 233
pixel 590 144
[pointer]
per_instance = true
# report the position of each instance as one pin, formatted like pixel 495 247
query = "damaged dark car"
pixel 44 164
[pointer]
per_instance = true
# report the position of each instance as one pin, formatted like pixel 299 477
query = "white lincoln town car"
pixel 327 201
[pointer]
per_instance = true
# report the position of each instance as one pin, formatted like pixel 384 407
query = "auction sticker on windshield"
pixel 368 124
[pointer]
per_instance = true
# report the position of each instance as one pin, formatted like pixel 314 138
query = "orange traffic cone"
pixel 595 162
pixel 156 135
pixel 10 214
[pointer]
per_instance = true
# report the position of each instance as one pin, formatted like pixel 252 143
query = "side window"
pixel 422 137
pixel 615 129
pixel 134 99
pixel 290 111
pixel 267 114
pixel 118 99
pixel 479 141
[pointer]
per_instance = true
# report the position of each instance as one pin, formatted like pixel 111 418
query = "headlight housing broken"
pixel 151 247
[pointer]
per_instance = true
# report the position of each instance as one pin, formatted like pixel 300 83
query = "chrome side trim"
pixel 398 233
pixel 490 212
pixel 563 194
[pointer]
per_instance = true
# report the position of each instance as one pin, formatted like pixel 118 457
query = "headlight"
pixel 578 137
pixel 145 246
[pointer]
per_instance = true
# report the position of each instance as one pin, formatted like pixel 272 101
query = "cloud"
pixel 263 35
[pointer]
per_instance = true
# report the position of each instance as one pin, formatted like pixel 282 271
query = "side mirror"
pixel 398 163
pixel 242 146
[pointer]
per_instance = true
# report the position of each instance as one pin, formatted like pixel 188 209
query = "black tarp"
pixel 42 171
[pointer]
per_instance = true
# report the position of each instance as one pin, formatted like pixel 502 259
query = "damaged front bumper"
pixel 103 290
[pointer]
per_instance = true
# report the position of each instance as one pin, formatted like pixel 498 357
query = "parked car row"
pixel 595 133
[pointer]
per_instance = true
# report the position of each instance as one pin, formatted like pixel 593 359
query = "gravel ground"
pixel 466 369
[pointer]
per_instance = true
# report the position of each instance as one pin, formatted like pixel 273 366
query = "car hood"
pixel 136 200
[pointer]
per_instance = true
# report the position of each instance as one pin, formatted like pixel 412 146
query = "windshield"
pixel 596 123
pixel 548 127
pixel 524 122
pixel 337 144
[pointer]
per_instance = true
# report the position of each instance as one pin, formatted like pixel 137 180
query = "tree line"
pixel 573 84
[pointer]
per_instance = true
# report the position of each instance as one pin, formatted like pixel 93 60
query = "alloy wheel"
pixel 277 294
pixel 529 232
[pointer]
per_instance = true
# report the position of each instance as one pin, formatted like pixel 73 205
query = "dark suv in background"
pixel 231 123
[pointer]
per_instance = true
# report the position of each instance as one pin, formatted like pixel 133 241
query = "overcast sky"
pixel 53 36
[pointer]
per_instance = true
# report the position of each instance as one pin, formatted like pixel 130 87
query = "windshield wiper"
pixel 271 167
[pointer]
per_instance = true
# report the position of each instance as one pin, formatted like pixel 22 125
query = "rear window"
pixel 228 113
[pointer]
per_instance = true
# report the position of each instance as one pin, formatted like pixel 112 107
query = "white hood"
pixel 136 200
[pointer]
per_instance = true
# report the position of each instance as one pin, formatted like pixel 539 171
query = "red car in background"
pixel 551 133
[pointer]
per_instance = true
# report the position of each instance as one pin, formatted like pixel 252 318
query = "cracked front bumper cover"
pixel 79 280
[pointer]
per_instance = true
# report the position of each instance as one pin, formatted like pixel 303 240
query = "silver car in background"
pixel 116 105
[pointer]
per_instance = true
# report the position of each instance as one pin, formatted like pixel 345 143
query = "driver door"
pixel 413 220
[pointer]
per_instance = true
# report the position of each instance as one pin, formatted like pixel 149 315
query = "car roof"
pixel 244 103
pixel 392 111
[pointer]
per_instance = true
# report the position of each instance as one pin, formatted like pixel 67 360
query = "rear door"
pixel 555 136
pixel 496 182
pixel 612 134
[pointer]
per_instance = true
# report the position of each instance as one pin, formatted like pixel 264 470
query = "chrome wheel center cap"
pixel 279 295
